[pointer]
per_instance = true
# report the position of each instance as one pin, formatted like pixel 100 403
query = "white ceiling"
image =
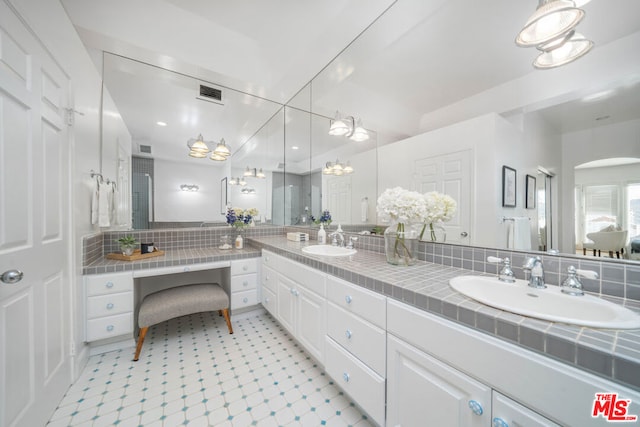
pixel 410 70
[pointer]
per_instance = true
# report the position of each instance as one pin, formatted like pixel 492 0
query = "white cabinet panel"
pixel 110 326
pixel 357 300
pixel 422 391
pixel 101 284
pixel 244 282
pixel 286 307
pixel 361 383
pixel 109 305
pixel 508 413
pixel 366 341
pixel 243 299
pixel 269 301
pixel 269 278
pixel 311 324
pixel 244 266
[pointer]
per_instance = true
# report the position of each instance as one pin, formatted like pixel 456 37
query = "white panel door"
pixel 422 391
pixel 450 174
pixel 34 312
pixel 339 199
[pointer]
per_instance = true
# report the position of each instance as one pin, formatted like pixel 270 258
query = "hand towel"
pixel 521 234
pixel 103 205
pixel 364 209
pixel 94 205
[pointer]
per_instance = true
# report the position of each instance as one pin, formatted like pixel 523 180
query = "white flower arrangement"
pixel 400 205
pixel 440 208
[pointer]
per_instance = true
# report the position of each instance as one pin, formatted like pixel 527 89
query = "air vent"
pixel 211 94
pixel 145 149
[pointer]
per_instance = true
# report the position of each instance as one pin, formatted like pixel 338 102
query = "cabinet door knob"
pixel 348 334
pixel 346 377
pixel 348 299
pixel 499 422
pixel 187 269
pixel 245 283
pixel 295 292
pixel 266 300
pixel 245 300
pixel 476 407
pixel 109 306
pixel 109 328
pixel 245 267
pixel 109 285
pixel 11 276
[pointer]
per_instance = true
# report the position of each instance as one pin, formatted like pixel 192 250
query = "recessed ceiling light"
pixel 295 147
pixel 161 123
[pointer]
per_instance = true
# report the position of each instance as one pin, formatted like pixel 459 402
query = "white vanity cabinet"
pixel 109 305
pixel 300 301
pixel 509 413
pixel 244 283
pixel 356 344
pixel 269 277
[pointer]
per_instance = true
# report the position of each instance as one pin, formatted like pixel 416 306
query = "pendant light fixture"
pixel 197 147
pixel 336 168
pixel 551 30
pixel 348 127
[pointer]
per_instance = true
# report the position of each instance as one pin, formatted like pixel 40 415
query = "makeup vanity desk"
pixel 114 289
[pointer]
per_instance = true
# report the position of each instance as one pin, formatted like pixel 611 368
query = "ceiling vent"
pixel 145 150
pixel 210 94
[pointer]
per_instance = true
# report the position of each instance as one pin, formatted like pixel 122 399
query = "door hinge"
pixel 72 349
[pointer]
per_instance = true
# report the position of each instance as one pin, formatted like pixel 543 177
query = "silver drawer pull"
pixel 266 300
pixel 109 328
pixel 109 306
pixel 348 334
pixel 348 299
pixel 245 283
pixel 109 285
pixel 245 267
pixel 346 377
pixel 245 300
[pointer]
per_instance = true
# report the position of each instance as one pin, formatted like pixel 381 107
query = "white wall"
pixel 51 24
pixel 584 146
pixel 260 200
pixel 173 204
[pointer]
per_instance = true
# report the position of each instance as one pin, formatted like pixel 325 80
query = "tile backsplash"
pixel 616 278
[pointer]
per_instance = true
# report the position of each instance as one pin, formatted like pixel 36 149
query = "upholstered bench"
pixel 180 301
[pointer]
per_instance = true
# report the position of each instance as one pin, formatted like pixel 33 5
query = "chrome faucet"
pixel 572 284
pixel 536 278
pixel 334 240
pixel 352 239
pixel 506 273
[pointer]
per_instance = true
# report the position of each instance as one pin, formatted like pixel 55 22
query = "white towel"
pixel 364 209
pixel 103 205
pixel 520 236
pixel 113 196
pixel 94 205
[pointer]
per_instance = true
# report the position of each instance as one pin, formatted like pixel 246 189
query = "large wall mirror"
pixel 571 134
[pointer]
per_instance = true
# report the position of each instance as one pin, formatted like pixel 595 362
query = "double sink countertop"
pixel 612 354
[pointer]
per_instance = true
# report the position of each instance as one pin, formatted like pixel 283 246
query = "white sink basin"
pixel 328 250
pixel 548 304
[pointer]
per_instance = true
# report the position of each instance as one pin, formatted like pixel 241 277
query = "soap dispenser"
pixel 322 235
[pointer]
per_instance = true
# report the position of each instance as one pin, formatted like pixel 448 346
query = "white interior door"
pixel 35 311
pixel 450 174
pixel 339 199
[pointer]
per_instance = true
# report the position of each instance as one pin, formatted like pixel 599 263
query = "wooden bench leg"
pixel 141 335
pixel 225 313
pixel 584 251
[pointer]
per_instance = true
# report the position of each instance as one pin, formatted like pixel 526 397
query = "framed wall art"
pixel 223 196
pixel 508 187
pixel 530 192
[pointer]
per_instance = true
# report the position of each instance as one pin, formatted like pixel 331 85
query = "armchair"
pixel 608 241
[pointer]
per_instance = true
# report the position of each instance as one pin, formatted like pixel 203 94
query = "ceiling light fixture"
pixel 551 30
pixel 189 187
pixel 575 47
pixel 248 190
pixel 254 172
pixel 161 124
pixel 199 149
pixel 552 19
pixel 336 168
pixel 348 127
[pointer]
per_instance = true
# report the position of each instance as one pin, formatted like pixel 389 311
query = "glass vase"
pixel 401 244
pixel 433 233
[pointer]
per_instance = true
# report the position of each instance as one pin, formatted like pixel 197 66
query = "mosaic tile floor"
pixel 192 372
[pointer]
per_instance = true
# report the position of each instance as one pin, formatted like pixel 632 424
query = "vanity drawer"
pixel 244 299
pixel 357 300
pixel 108 283
pixel 269 301
pixel 361 383
pixel 244 266
pixel 110 326
pixel 110 304
pixel 269 279
pixel 244 282
pixel 311 279
pixel 364 340
pixel 269 259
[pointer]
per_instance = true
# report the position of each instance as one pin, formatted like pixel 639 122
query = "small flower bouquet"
pixel 440 208
pixel 325 218
pixel 240 218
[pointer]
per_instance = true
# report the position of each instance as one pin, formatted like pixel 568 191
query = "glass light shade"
pixel 360 133
pixel 242 182
pixel 573 49
pixel 337 166
pixel 552 19
pixel 198 145
pixel 339 126
pixel 217 157
pixel 222 149
pixel 348 169
pixel 327 170
pixel 260 174
pixel 197 154
pixel 248 172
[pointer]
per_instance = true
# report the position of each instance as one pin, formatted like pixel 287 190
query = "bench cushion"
pixel 181 301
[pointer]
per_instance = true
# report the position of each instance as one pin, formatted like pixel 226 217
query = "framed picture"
pixel 530 191
pixel 223 196
pixel 508 187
